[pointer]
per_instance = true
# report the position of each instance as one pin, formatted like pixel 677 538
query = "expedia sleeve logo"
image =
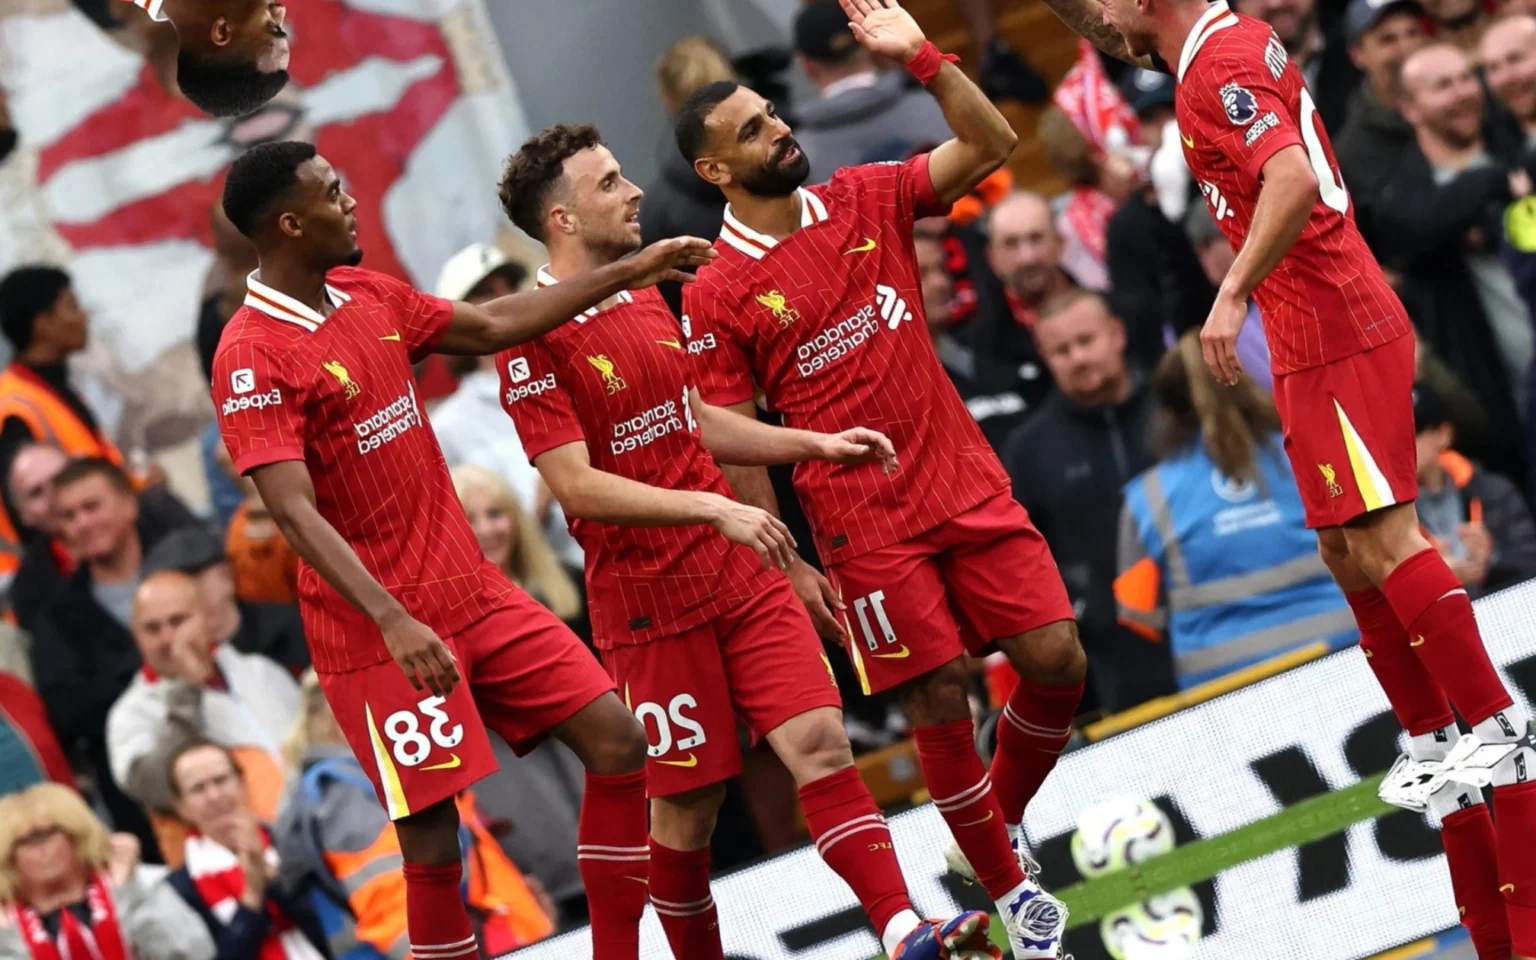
pixel 252 401
pixel 522 391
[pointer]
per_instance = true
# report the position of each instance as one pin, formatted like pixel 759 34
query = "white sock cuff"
pixel 1433 745
pixel 1453 797
pixel 897 928
pixel 1506 726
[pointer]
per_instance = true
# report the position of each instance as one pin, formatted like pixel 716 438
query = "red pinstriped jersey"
pixel 618 380
pixel 828 323
pixel 1240 101
pixel 337 392
pixel 151 7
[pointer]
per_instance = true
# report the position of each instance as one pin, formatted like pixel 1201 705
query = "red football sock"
pixel 680 895
pixel 1434 607
pixel 1471 853
pixel 435 916
pixel 963 793
pixel 612 855
pixel 1515 807
pixel 1417 700
pixel 839 808
pixel 1034 727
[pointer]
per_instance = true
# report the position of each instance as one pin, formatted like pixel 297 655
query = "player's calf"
pixel 681 826
pixel 436 919
pixel 1036 722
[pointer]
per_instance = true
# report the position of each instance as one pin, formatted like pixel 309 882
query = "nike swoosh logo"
pixel 975 823
pixel 675 345
pixel 637 879
pixel 1187 141
pixel 394 336
pixel 901 654
pixel 1507 888
pixel 446 764
pixel 1416 642
pixel 692 761
pixel 868 245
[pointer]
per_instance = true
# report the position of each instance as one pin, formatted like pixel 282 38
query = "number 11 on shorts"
pixel 862 607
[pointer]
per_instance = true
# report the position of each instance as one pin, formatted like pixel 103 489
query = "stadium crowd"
pixel 154 667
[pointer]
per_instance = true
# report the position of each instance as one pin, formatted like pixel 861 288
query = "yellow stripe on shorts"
pixel 1374 489
pixel 394 793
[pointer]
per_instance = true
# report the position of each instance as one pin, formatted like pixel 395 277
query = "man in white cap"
pixel 470 425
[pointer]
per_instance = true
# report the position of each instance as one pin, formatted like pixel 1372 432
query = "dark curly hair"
pixel 258 178
pixel 222 86
pixel 533 172
pixel 689 129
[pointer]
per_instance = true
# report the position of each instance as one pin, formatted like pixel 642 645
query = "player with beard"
pixel 1342 352
pixel 232 54
pixel 317 404
pixel 695 629
pixel 816 301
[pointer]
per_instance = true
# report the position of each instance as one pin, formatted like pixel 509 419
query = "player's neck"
pixel 292 277
pixel 1180 20
pixel 573 260
pixel 777 217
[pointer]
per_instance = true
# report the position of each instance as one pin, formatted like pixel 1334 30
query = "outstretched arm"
pixel 520 317
pixel 592 494
pixel 1086 18
pixel 748 442
pixel 983 139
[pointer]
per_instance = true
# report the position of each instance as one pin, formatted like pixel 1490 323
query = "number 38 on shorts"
pixel 409 745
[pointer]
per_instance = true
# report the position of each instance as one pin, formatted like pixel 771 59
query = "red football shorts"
pixel 976 578
pixel 524 673
pixel 1349 433
pixel 761 662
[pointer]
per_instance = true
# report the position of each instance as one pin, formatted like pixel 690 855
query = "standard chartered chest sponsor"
pixel 389 422
pixel 834 343
pixel 643 429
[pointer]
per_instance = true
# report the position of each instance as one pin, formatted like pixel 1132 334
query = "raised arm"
pixel 983 139
pixel 592 494
pixel 289 493
pixel 1086 18
pixel 520 317
pixel 748 442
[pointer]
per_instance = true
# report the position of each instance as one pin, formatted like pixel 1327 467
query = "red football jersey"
pixel 1240 101
pixel 337 392
pixel 828 323
pixel 618 379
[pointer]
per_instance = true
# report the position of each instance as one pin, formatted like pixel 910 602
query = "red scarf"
pixel 216 872
pixel 101 940
pixel 1089 211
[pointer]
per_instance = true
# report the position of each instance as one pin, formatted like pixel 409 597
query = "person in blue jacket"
pixel 1214 555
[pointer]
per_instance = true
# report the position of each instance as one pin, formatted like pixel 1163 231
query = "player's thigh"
pixel 774 661
pixel 1349 433
pixel 898 625
pixel 417 748
pixel 678 690
pixel 1000 575
pixel 529 673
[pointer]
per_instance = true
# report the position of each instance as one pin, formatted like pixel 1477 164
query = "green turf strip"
pixel 1313 819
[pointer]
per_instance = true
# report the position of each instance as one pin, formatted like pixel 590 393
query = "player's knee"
pixel 1051 656
pixel 686 821
pixel 1381 540
pixel 624 752
pixel 939 696
pixel 813 745
pixel 430 837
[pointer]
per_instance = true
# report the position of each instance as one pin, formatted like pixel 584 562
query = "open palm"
pixel 884 28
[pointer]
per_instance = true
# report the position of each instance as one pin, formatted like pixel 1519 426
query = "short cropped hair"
pixel 85 467
pixel 25 293
pixel 533 171
pixel 192 746
pixel 1064 300
pixel 259 177
pixel 690 130
pixel 221 86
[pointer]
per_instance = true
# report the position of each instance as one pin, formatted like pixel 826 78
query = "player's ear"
pixel 712 170
pixel 221 33
pixel 560 219
pixel 290 224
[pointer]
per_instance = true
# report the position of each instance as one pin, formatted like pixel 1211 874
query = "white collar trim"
pixel 756 245
pixel 280 306
pixel 547 279
pixel 1217 17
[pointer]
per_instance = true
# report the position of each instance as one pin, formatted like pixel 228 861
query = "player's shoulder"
pixel 715 280
pixel 1248 44
pixel 249 332
pixel 351 279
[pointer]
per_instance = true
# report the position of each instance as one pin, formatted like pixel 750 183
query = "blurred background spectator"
pixel 1004 74
pixel 1316 47
pixel 1214 553
pixel 1381 37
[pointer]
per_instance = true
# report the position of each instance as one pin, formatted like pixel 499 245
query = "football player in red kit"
pixel 1342 355
pixel 232 55
pixel 815 301
pixel 690 610
pixel 317 403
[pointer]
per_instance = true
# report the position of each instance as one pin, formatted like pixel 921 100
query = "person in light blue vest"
pixel 1214 553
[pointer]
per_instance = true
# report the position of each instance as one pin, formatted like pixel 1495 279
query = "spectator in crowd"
pixel 73 891
pixel 678 202
pixel 44 323
pixel 1024 252
pixel 1100 181
pixel 513 542
pixel 1459 22
pixel 1478 520
pixel 264 565
pixel 229 871
pixel 1323 60
pixel 29 752
pixel 1156 284
pixel 1508 55
pixel 1004 75
pixel 272 630
pixel 1461 403
pixel 471 427
pixel 861 110
pixel 83 656
pixel 1068 462
pixel 234 259
pixel 1214 554
pixel 1215 256
pixel 192 688
pixel 1381 34
pixel 1440 223
pixel 335 837
pixel 996 411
